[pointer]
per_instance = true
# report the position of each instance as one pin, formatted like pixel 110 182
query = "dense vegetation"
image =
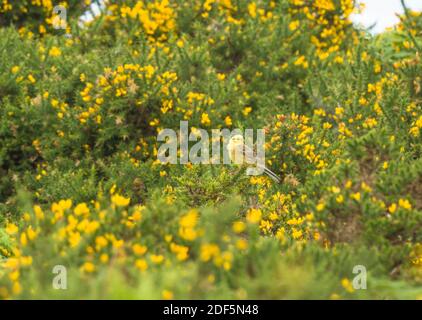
pixel 81 187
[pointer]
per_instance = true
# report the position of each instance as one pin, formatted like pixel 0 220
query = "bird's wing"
pixel 236 153
pixel 249 154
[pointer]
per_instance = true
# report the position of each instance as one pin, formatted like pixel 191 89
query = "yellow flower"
pixel 31 233
pixel 141 264
pixel 31 78
pixel 320 207
pixel 26 261
pixel 113 189
pixel 301 61
pixel 24 239
pixel 120 201
pixel 355 196
pixel 180 251
pixel 405 204
pixel 339 111
pixel 187 224
pixel 242 244
pixel 74 239
pixel 295 221
pixel 92 226
pixel 225 260
pixel 14 276
pixel 100 242
pixel 392 208
pixel 157 258
pixel 104 258
pixel 16 288
pixel 239 226
pixel 189 220
pixel 296 233
pixel 252 9
pixel 65 204
pixel 42 29
pixel 365 187
pixel 347 284
pixel 189 234
pixel 363 101
pixel 11 228
pixel 88 267
pixel 335 189
pixel 54 52
pixel 254 215
pixel 246 111
pixel 15 69
pixel 139 249
pixel 205 119
pixel 117 243
pixel 11 263
pixel 137 214
pixel 414 131
pixel 39 214
pixel 339 60
pixel 81 209
pixel 294 25
pixel 167 295
pixel 208 251
pixel 228 121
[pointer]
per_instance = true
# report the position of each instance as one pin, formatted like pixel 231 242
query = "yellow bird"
pixel 238 152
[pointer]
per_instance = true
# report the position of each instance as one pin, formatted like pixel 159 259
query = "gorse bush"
pixel 81 186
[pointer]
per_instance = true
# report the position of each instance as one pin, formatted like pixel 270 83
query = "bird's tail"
pixel 272 175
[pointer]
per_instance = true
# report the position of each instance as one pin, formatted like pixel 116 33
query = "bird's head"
pixel 236 139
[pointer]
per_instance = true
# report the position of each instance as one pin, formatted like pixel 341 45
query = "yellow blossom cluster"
pixel 156 18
